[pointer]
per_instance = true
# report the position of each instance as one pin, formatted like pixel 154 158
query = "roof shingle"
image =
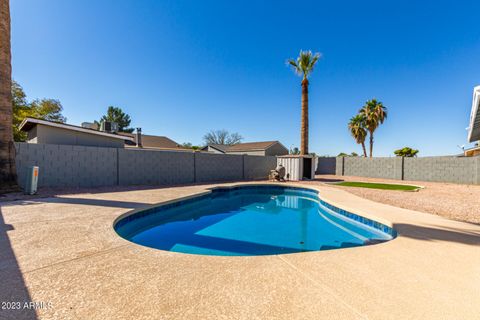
pixel 251 146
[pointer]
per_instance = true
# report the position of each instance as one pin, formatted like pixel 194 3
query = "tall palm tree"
pixel 303 66
pixel 375 114
pixel 358 131
pixel 8 176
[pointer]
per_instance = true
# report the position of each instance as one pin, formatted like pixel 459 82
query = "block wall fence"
pixel 79 166
pixel 452 169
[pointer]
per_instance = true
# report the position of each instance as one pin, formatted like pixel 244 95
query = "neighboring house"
pixel 264 148
pixel 49 132
pixel 474 127
pixel 472 152
pixel 216 148
pixel 154 142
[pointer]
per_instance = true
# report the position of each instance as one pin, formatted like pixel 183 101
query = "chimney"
pixel 138 138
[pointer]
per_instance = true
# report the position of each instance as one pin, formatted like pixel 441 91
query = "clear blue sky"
pixel 182 68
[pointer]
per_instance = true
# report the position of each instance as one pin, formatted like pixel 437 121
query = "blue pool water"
pixel 260 220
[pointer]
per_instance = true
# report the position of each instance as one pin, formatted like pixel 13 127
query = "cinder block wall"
pixel 79 166
pixel 67 166
pixel 257 167
pixel 444 169
pixel 326 165
pixel 440 169
pixel 218 167
pixel 153 167
pixel 372 167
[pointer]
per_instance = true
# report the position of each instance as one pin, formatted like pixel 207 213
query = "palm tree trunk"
pixel 8 175
pixel 371 144
pixel 364 149
pixel 304 126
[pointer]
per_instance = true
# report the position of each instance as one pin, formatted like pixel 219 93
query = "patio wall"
pixel 326 165
pixel 441 169
pixel 79 166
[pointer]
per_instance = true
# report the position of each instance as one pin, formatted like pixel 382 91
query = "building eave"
pixel 218 149
pixel 28 123
pixel 474 126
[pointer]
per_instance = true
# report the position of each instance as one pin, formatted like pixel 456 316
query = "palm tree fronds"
pixel 295 66
pixel 292 63
pixel 357 128
pixel 375 114
pixel 304 63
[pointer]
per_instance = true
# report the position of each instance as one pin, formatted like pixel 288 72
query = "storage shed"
pixel 298 167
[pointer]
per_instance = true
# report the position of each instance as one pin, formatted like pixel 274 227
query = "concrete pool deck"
pixel 63 252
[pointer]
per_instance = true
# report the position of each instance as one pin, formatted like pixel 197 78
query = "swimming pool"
pixel 251 220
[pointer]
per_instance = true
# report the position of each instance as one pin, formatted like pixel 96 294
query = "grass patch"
pixel 384 186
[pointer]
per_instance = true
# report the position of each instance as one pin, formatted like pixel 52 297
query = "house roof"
pixel 252 146
pixel 220 147
pixel 157 142
pixel 474 127
pixel 247 146
pixel 28 123
pixel 296 156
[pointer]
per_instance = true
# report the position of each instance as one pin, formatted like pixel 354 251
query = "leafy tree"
pixel 115 114
pixel 46 109
pixel 358 131
pixel 19 98
pixel 20 109
pixel 189 145
pixel 294 150
pixel 343 154
pixel 406 152
pixel 222 137
pixel 303 66
pixel 375 114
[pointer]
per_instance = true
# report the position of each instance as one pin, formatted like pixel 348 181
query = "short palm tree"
pixel 8 175
pixel 358 131
pixel 303 66
pixel 375 114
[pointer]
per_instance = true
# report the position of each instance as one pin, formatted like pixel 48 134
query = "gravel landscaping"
pixel 454 201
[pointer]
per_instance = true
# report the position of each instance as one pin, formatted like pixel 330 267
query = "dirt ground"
pixel 454 201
